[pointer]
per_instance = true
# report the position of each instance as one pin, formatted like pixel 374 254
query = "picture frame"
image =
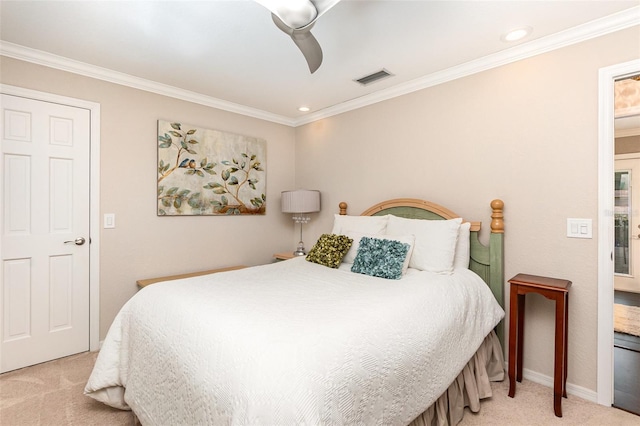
pixel 209 172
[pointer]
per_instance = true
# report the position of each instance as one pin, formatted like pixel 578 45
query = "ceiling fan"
pixel 296 18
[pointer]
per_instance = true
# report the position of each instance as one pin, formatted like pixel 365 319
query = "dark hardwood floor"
pixel 626 370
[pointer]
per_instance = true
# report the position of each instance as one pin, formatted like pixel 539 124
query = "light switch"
pixel 579 228
pixel 109 220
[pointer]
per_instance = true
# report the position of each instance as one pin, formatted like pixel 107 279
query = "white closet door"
pixel 44 281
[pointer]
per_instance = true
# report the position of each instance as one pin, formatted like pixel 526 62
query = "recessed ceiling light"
pixel 304 109
pixel 516 34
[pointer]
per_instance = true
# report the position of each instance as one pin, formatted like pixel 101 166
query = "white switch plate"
pixel 109 220
pixel 579 228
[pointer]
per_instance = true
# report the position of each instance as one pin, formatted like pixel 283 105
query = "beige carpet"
pixel 532 405
pixel 626 319
pixel 51 394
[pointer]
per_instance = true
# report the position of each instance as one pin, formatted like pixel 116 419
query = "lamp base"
pixel 300 251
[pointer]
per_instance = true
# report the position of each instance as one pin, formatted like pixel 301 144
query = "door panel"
pixel 44 280
pixel 17 299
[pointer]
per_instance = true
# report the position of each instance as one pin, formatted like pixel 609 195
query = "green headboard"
pixel 486 261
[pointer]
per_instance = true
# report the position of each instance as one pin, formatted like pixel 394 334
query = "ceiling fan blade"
pixel 309 47
pixel 305 41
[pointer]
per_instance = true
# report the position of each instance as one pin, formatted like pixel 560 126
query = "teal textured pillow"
pixel 380 258
pixel 329 250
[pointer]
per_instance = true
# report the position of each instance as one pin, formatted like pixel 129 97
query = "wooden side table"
pixel 148 281
pixel 558 291
pixel 284 256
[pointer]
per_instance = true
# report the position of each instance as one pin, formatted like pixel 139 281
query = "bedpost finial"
pixel 497 218
pixel 343 208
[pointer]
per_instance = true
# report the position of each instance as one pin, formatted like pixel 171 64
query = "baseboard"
pixel 547 381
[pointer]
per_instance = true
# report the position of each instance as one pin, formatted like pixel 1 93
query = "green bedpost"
pixel 496 258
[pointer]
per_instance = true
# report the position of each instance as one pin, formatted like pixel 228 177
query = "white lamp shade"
pixel 300 201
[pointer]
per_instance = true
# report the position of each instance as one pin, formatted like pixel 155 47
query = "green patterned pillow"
pixel 380 258
pixel 329 250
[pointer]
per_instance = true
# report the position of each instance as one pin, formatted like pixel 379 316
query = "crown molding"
pixel 612 23
pixel 616 22
pixel 50 60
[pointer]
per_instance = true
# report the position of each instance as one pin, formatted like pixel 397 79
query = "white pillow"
pixel 357 236
pixel 363 224
pixel 463 247
pixel 435 244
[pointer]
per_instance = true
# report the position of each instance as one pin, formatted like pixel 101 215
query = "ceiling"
pixel 229 54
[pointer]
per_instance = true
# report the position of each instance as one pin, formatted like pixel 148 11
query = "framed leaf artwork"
pixel 209 172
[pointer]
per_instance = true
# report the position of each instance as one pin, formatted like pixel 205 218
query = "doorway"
pixel 16 326
pixel 605 357
pixel 626 310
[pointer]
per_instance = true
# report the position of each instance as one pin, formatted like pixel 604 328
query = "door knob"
pixel 78 241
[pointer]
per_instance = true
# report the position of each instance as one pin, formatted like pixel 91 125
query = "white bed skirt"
pixel 471 385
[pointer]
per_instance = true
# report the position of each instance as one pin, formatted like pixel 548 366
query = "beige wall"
pixel 144 245
pixel 526 133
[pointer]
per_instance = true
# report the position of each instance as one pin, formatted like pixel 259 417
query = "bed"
pixel 297 342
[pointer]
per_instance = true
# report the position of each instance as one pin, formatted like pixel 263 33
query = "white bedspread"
pixel 292 343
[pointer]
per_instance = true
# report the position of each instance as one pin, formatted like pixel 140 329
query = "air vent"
pixel 378 75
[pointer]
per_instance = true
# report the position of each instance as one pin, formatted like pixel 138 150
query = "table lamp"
pixel 300 202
